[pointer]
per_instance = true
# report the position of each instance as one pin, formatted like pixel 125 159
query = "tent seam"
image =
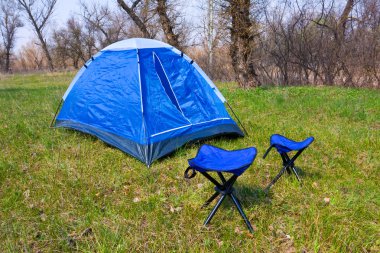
pixel 169 130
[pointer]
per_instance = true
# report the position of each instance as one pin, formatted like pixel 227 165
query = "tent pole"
pixel 245 131
pixel 56 112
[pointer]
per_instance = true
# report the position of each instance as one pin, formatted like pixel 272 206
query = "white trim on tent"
pixel 166 131
pixel 210 121
pixel 138 73
pixel 79 74
pixel 169 130
pixel 145 150
pixel 136 43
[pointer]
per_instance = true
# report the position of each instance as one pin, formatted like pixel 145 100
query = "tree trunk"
pixel 9 23
pixel 45 49
pixel 7 60
pixel 241 47
pixel 167 25
pixel 341 26
pixel 341 30
pixel 132 14
pixel 210 35
pixel 39 20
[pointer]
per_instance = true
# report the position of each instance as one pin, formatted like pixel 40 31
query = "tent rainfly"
pixel 146 98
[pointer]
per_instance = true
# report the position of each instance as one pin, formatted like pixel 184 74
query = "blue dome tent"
pixel 146 98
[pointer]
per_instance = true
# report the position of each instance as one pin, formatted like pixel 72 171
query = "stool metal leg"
pixel 275 179
pixel 295 173
pixel 224 189
pixel 216 207
pixel 216 194
pixel 240 209
pixel 286 161
pixel 222 177
pixel 288 166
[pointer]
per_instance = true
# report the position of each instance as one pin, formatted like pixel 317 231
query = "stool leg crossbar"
pixel 224 189
pixel 288 165
pixel 220 162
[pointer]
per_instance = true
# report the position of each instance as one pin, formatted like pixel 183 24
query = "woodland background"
pixel 259 42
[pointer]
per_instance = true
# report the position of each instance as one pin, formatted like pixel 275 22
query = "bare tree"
pixel 210 32
pixel 75 42
pixel 109 25
pixel 167 24
pixel 38 13
pixel 30 57
pixel 9 23
pixel 81 42
pixel 146 14
pixel 212 40
pixel 321 42
pixel 326 42
pixel 133 14
pixel 2 57
pixel 243 32
pixel 60 49
pixel 365 39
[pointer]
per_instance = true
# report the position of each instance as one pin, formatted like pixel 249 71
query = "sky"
pixel 65 8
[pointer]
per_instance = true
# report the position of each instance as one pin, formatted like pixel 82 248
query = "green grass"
pixel 61 190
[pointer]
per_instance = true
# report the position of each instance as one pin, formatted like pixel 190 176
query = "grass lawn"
pixel 61 190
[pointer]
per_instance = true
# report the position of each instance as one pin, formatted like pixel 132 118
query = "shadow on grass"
pixel 304 173
pixel 301 172
pixel 197 144
pixel 252 195
pixel 249 196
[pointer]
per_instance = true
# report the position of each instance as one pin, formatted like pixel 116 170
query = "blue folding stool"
pixel 213 159
pixel 284 146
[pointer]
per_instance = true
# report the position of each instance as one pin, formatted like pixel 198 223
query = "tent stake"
pixel 245 131
pixel 56 112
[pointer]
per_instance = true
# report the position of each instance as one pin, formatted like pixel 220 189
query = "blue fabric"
pixel 106 96
pixel 284 145
pixel 165 82
pixel 210 158
pixel 152 97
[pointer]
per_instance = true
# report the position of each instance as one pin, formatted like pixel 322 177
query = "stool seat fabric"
pixel 284 145
pixel 210 158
